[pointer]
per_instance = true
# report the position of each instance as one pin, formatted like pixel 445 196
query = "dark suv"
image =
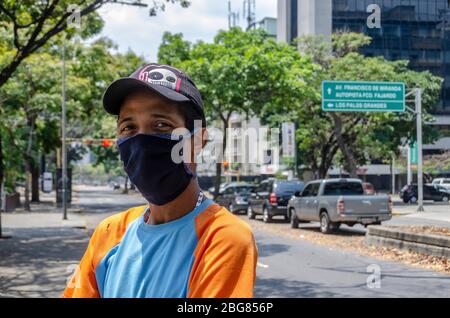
pixel 270 198
pixel 430 192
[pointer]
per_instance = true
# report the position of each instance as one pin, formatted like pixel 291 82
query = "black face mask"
pixel 150 165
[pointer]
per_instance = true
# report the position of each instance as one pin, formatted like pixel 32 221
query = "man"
pixel 181 244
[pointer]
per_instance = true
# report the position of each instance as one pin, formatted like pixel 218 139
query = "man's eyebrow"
pixel 120 121
pixel 163 115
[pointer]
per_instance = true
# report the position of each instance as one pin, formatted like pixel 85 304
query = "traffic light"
pixel 106 143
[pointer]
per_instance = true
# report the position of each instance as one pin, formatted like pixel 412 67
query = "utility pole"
pixel 249 13
pixel 63 133
pixel 233 17
pixel 419 149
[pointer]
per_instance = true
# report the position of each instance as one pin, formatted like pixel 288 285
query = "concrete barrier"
pixel 430 244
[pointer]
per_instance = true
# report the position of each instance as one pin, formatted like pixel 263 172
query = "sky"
pixel 133 28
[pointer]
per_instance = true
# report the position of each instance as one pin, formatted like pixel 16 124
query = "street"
pixel 292 268
pixel 43 251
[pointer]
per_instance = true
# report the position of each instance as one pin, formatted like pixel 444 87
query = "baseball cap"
pixel 165 80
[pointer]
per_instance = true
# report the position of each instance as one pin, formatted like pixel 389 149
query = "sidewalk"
pixel 43 249
pixel 41 254
pixel 434 211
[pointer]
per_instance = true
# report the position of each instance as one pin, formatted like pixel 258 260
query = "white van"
pixel 445 182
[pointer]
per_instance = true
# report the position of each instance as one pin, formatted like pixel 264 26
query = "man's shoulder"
pixel 118 223
pixel 110 232
pixel 221 224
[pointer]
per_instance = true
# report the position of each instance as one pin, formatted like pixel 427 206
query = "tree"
pixel 32 100
pixel 242 72
pixel 27 26
pixel 31 24
pixel 358 133
pixel 31 96
pixel 173 49
pixel 358 137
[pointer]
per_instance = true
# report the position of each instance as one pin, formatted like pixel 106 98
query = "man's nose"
pixel 146 130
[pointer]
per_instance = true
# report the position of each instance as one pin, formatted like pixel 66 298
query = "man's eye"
pixel 162 125
pixel 126 128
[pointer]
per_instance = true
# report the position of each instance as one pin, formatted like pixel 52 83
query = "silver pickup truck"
pixel 333 202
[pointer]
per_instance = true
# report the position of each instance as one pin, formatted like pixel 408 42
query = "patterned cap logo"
pixel 161 76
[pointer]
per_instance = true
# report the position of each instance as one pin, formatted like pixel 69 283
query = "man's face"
pixel 148 113
pixel 145 112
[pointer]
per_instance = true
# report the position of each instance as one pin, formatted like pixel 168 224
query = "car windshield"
pixel 344 188
pixel 289 186
pixel 244 189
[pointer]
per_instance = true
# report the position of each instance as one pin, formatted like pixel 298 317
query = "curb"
pixel 400 214
pixel 74 224
pixel 429 244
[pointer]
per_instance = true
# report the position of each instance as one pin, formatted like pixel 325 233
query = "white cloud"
pixel 131 27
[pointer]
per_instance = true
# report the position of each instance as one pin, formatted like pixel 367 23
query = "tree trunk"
pixel 26 205
pixel 125 190
pixel 29 162
pixel 219 163
pixel 350 163
pixel 35 183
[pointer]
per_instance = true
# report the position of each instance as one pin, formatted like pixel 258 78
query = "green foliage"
pixel 173 49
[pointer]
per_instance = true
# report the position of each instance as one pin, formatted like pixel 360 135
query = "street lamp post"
pixel 419 116
pixel 63 134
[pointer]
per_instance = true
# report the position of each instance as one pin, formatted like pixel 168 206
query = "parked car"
pixel 369 189
pixel 445 182
pixel 270 198
pixel 115 185
pixel 221 187
pixel 235 196
pixel 433 192
pixel 334 202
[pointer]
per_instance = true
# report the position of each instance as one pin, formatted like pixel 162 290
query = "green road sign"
pixel 363 96
pixel 414 153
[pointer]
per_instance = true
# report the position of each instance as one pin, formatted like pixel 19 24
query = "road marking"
pixel 262 265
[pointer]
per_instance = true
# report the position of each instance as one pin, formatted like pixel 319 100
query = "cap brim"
pixel 116 93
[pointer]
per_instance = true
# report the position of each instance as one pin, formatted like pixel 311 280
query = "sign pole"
pixel 419 149
pixel 409 172
pixel 393 175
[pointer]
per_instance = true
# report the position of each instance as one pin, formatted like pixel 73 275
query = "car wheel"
pixel 413 200
pixel 325 223
pixel 250 213
pixel 266 216
pixel 445 199
pixel 294 220
pixel 231 208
